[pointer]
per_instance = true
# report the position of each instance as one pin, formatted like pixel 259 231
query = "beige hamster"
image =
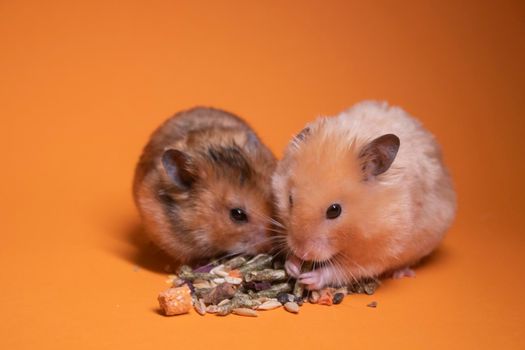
pixel 362 194
pixel 203 186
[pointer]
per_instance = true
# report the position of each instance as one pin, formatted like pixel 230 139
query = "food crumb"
pixel 176 301
pixel 372 304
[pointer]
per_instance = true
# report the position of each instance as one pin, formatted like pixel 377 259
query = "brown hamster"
pixel 362 194
pixel 203 186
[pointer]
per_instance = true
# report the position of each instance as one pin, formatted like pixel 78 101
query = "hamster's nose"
pixel 312 249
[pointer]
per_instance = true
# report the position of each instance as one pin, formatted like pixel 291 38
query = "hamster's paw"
pixel 404 272
pixel 316 279
pixel 293 266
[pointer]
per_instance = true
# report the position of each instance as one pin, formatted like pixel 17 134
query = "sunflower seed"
pixel 212 309
pixel 200 307
pixel 202 285
pixel 269 305
pixel 291 307
pixel 219 271
pixel 233 280
pixel 314 297
pixel 243 311
pixel 223 302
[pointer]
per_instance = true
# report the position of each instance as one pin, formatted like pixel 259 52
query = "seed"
pixel 233 280
pixel 372 304
pixel 219 271
pixel 343 290
pixel 314 297
pixel 291 307
pixel 224 310
pixel 219 280
pixel 200 307
pixel 212 309
pixel 370 287
pixel 269 305
pixel 243 311
pixel 202 285
pixel 223 302
pixel 338 298
pixel 282 298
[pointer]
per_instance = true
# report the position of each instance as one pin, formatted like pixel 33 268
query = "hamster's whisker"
pixel 274 241
pixel 343 274
pixel 278 252
pixel 282 233
pixel 347 274
pixel 338 272
pixel 230 254
pixel 268 219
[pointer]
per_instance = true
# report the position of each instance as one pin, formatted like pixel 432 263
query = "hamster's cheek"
pixel 250 240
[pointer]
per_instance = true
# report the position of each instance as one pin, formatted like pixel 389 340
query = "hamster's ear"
pixel 303 134
pixel 378 155
pixel 300 137
pixel 176 164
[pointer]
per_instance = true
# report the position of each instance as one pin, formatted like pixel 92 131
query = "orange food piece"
pixel 235 273
pixel 175 301
pixel 326 297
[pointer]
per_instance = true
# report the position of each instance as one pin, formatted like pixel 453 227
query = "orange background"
pixel 83 84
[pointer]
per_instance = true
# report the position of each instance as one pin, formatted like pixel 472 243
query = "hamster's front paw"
pixel 317 279
pixel 293 266
pixel 404 272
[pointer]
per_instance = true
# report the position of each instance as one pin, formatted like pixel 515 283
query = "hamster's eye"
pixel 238 215
pixel 333 211
pixel 290 200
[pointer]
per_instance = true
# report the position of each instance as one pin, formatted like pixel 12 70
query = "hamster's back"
pixel 178 128
pixel 418 168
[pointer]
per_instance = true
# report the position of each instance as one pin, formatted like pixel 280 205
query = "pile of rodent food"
pixel 244 285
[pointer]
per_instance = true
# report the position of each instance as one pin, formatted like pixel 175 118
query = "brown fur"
pixel 389 220
pixel 231 168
